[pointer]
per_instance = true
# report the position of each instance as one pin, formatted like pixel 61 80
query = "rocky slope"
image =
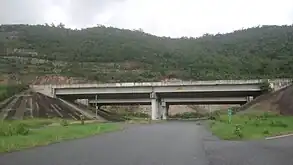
pixel 280 102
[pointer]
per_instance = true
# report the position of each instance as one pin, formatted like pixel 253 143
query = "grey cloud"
pixel 83 12
pixel 20 11
pixel 80 12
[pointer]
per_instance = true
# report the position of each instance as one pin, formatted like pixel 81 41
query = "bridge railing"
pixel 165 83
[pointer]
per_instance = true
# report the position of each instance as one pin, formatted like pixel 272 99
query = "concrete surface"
pixel 171 101
pixel 170 83
pixel 172 93
pixel 170 143
pixel 147 87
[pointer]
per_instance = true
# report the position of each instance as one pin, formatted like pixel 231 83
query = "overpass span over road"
pixel 162 94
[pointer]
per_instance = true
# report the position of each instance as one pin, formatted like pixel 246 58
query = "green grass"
pixel 50 134
pixel 251 126
pixel 31 123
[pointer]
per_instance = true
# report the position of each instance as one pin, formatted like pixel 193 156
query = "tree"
pixel 106 53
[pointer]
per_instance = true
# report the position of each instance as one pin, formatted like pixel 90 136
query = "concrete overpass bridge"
pixel 162 94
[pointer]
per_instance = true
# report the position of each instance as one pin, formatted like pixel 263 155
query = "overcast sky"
pixel 173 18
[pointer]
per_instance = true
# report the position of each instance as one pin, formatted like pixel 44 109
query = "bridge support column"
pixel 249 98
pixel 97 105
pixel 53 92
pixel 155 106
pixel 164 110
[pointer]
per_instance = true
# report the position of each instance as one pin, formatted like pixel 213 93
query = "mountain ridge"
pixel 107 54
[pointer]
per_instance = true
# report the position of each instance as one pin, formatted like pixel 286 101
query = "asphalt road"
pixel 172 143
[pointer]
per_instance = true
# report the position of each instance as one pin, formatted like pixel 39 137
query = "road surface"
pixel 172 143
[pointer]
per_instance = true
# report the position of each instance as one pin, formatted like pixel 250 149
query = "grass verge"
pixel 30 123
pixel 21 137
pixel 251 126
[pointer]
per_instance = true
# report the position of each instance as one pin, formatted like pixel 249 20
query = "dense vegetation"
pixel 8 91
pixel 111 54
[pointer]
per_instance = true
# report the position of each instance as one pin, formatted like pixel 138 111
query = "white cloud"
pixel 174 18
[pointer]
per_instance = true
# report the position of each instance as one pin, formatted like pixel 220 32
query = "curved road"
pixel 171 143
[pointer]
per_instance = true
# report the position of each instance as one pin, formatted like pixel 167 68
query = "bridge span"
pixel 162 94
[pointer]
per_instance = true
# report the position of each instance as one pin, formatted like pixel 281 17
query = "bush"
pixel 265 116
pixel 278 124
pixel 64 122
pixel 82 119
pixel 266 132
pixel 6 129
pixel 256 123
pixel 215 115
pixel 234 110
pixel 238 131
pixel 265 86
pixel 187 115
pixel 136 114
pixel 10 129
pixel 21 129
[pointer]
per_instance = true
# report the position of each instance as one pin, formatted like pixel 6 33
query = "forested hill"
pixel 115 55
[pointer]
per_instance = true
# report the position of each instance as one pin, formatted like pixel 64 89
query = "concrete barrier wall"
pixel 49 89
pixel 44 89
pixel 180 83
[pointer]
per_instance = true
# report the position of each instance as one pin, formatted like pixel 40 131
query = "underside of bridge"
pixel 160 102
pixel 160 107
pixel 162 95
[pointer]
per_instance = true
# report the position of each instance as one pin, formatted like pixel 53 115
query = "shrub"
pixel 266 132
pixel 187 115
pixel 64 122
pixel 21 129
pixel 265 86
pixel 234 110
pixel 272 124
pixel 238 131
pixel 256 123
pixel 135 114
pixel 6 129
pixel 278 124
pixel 215 115
pixel 9 129
pixel 265 116
pixel 82 119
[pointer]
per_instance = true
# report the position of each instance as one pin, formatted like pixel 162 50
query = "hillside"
pixel 279 101
pixel 114 55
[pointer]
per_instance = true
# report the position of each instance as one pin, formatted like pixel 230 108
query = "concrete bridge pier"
pixel 155 106
pixel 249 98
pixel 163 110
